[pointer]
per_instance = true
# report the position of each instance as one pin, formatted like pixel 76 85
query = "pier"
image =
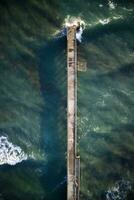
pixel 73 159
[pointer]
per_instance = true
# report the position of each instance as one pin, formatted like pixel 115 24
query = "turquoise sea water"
pixel 33 99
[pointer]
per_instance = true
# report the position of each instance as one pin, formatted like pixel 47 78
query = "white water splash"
pixel 117 17
pixel 75 21
pixel 100 5
pixel 111 4
pixel 110 19
pixel 128 9
pixel 105 21
pixel 9 153
pixel 79 34
pixel 68 22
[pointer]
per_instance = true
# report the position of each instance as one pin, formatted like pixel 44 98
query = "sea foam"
pixel 75 21
pixel 10 153
pixel 112 5
pixel 71 21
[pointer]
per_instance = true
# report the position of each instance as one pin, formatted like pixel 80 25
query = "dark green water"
pixel 33 98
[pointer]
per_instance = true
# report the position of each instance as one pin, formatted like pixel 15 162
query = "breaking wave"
pixel 112 5
pixel 10 153
pixel 72 21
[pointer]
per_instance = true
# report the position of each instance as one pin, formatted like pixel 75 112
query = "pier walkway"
pixel 73 160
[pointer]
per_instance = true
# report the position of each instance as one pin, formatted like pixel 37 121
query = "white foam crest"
pixel 77 21
pixel 79 34
pixel 117 17
pixel 112 5
pixel 100 5
pixel 10 153
pixel 105 21
pixel 128 9
pixel 73 21
pixel 68 22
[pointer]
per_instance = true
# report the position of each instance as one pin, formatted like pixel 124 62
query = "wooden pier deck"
pixel 73 160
